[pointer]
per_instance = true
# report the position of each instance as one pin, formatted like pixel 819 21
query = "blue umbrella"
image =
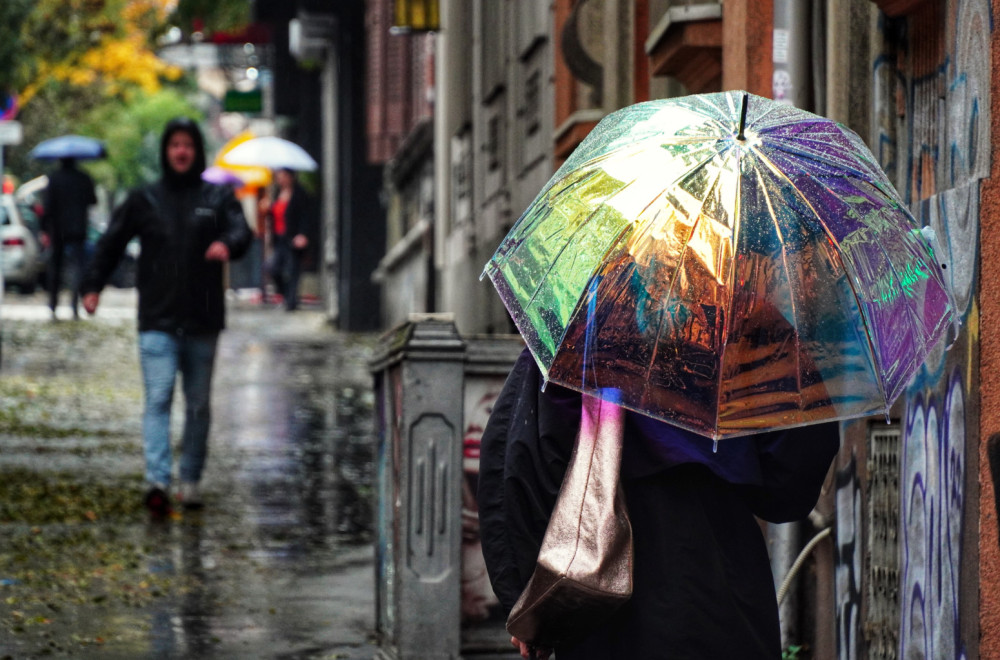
pixel 69 146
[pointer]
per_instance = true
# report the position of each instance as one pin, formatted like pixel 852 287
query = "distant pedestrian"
pixel 290 215
pixel 188 229
pixel 69 194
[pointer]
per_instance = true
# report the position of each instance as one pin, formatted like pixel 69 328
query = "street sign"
pixel 10 132
pixel 236 101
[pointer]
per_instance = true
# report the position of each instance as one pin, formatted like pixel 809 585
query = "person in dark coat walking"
pixel 290 216
pixel 69 194
pixel 703 586
pixel 188 229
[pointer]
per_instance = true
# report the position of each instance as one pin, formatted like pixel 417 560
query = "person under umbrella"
pixel 68 196
pixel 290 215
pixel 739 275
pixel 702 579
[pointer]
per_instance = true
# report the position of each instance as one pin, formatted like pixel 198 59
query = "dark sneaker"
pixel 157 502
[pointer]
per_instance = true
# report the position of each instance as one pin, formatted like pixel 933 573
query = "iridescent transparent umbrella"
pixel 727 264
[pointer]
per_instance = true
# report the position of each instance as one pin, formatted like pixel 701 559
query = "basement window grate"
pixel 882 618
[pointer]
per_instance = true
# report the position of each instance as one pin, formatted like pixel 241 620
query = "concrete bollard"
pixel 433 392
pixel 418 388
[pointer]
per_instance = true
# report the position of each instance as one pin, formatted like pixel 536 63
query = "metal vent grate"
pixel 882 620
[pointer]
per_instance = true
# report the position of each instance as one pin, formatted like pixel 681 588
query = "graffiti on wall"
pixel 932 506
pixel 848 559
pixel 931 133
pixel 938 171
pixel 479 603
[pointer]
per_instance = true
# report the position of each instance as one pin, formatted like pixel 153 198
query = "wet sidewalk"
pixel 278 564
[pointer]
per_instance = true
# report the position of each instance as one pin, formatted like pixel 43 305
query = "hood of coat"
pixel 193 174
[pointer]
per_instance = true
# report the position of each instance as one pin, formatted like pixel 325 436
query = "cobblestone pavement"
pixel 278 564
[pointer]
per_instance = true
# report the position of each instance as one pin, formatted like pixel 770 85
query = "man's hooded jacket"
pixel 175 219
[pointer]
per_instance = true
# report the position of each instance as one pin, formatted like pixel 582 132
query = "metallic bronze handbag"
pixel 584 568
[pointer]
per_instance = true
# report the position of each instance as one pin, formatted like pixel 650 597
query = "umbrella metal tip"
pixel 743 118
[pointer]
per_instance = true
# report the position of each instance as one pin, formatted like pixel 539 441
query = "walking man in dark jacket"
pixel 188 229
pixel 69 193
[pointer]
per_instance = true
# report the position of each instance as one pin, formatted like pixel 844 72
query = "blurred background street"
pixel 278 564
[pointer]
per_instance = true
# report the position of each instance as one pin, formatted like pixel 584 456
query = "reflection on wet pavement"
pixel 278 564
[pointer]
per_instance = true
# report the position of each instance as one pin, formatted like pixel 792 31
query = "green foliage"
pixel 88 67
pixel 211 15
pixel 12 16
pixel 131 131
pixel 132 135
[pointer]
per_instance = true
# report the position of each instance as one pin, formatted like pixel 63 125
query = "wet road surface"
pixel 277 565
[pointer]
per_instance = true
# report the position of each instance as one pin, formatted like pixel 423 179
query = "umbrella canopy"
pixel 727 264
pixel 272 152
pixel 252 176
pixel 69 146
pixel 221 176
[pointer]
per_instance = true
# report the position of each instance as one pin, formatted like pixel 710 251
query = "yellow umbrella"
pixel 253 176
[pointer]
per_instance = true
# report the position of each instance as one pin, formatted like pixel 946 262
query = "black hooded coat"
pixel 702 583
pixel 175 219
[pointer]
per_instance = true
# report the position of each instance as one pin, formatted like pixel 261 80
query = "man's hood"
pixel 191 128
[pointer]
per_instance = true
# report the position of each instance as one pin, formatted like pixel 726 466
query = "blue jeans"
pixel 163 355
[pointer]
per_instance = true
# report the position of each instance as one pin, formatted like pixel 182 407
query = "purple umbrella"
pixel 221 176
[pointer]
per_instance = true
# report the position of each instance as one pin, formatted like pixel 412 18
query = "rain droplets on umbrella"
pixel 724 285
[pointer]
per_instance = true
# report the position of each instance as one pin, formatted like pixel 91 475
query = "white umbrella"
pixel 272 152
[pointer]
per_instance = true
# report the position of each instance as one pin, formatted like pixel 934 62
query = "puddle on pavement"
pixel 289 502
pixel 313 485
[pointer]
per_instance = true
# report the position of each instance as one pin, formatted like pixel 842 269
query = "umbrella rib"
pixel 731 287
pixel 791 292
pixel 554 261
pixel 909 309
pixel 676 274
pixel 771 111
pixel 850 280
pixel 868 332
pixel 844 164
pixel 785 121
pixel 583 298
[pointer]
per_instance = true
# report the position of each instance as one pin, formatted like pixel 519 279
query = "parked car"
pixel 20 252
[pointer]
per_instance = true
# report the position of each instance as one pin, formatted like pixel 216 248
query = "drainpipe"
pixel 791 83
pixel 330 267
pixel 783 543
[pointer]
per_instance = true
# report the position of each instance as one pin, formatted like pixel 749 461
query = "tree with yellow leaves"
pixel 105 46
pixel 90 66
